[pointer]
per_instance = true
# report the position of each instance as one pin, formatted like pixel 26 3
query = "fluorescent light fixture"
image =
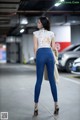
pixel 24 21
pixel 4 46
pixel 57 4
pixel 22 30
pixel 62 0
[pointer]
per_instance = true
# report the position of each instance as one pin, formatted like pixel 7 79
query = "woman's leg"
pixel 39 72
pixel 50 69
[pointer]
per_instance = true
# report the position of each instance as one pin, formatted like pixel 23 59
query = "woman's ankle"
pixel 36 106
pixel 56 104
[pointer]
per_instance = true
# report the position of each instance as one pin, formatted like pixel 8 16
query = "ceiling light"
pixel 4 46
pixel 62 0
pixel 57 4
pixel 22 30
pixel 24 21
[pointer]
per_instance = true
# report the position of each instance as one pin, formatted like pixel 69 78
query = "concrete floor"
pixel 17 93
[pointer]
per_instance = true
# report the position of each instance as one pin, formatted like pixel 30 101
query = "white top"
pixel 44 37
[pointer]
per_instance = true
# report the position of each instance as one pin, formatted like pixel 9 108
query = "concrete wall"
pixel 62 33
pixel 62 36
pixel 27 46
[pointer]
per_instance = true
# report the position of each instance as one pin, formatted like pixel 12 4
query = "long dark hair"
pixel 45 22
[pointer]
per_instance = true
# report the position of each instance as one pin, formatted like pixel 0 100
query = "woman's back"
pixel 44 38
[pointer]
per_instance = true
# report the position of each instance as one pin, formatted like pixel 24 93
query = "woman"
pixel 43 40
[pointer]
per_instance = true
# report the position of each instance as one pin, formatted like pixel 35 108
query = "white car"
pixel 76 67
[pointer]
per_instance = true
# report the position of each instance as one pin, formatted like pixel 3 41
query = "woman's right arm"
pixel 35 44
pixel 53 45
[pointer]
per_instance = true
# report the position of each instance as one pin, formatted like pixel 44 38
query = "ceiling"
pixel 11 11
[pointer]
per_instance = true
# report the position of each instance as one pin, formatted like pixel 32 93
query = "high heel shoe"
pixel 36 111
pixel 56 111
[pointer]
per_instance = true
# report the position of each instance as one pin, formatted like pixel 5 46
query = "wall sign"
pixel 62 45
pixel 2 53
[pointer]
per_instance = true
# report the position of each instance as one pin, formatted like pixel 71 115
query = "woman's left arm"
pixel 35 44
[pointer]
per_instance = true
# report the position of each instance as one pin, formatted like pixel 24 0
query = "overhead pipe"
pixel 35 12
pixel 55 12
pixel 2 14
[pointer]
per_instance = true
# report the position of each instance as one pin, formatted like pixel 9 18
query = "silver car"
pixel 67 56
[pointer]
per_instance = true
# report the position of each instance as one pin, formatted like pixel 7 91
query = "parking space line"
pixel 68 79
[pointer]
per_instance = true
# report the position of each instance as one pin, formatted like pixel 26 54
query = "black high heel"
pixel 35 112
pixel 56 111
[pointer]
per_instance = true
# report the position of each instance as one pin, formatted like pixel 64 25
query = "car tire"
pixel 69 65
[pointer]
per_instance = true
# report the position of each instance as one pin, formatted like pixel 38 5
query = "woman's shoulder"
pixel 51 33
pixel 36 31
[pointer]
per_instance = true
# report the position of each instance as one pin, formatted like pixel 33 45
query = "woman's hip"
pixel 44 54
pixel 44 50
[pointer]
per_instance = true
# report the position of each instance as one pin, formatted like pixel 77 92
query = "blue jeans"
pixel 44 56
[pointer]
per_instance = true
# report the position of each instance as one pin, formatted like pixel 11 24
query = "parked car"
pixel 76 66
pixel 67 56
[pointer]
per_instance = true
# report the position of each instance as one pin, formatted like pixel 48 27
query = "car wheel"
pixel 69 65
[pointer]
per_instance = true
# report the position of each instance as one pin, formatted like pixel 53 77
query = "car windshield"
pixel 70 48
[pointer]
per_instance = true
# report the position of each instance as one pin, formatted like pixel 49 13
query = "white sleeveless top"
pixel 44 37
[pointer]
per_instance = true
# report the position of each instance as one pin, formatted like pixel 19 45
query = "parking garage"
pixel 18 21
